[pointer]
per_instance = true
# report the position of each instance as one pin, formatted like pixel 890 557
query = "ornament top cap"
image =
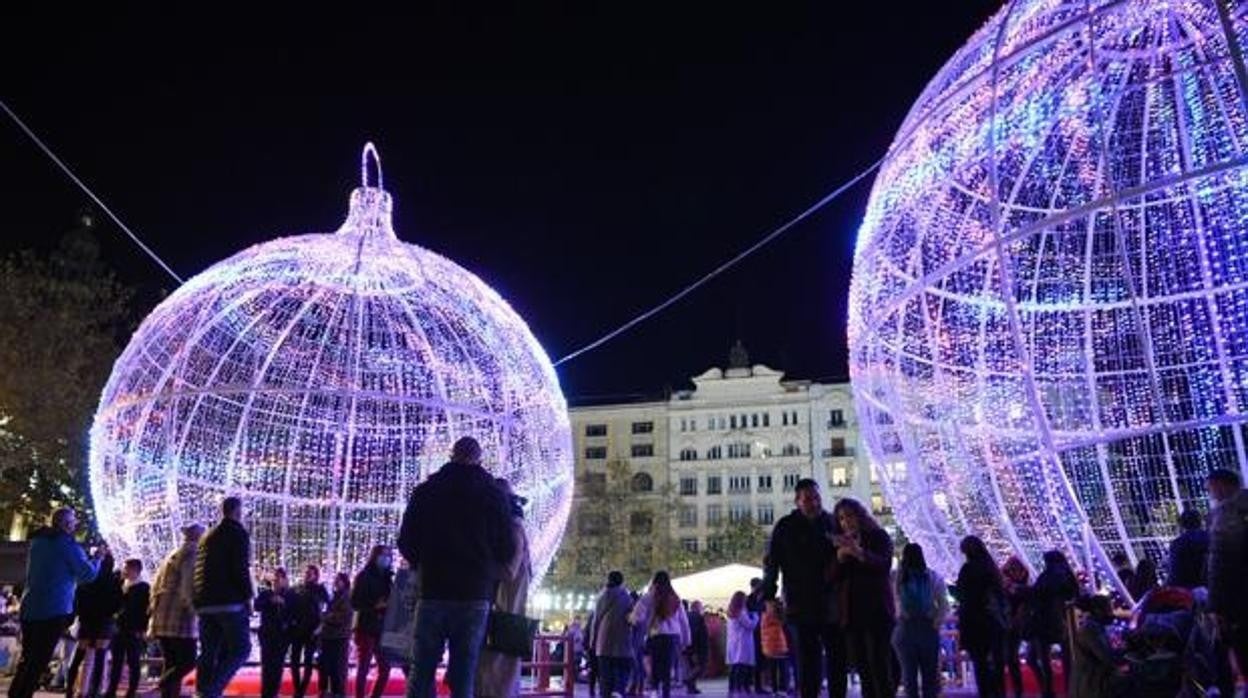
pixel 371 205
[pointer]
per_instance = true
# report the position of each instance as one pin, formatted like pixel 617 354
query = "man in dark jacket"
pixel 276 606
pixel 222 598
pixel 802 552
pixel 610 636
pixel 1228 560
pixel 457 535
pixel 699 650
pixel 311 599
pixel 55 565
pixel 127 647
pixel 1189 553
pixel 370 596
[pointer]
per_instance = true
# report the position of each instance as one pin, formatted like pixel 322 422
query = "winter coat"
pixel 310 603
pixel 1228 557
pixel 55 565
pixel 677 624
pixel 938 608
pixel 223 568
pixel 699 638
pixel 96 603
pixel 1053 589
pixel 775 642
pixel 1094 665
pixel 981 607
pixel 132 618
pixel 277 613
pixel 799 552
pixel 171 610
pixel 336 623
pixel 1189 559
pixel 498 675
pixel 741 638
pixel 371 586
pixel 457 534
pixel 610 634
pixel 866 595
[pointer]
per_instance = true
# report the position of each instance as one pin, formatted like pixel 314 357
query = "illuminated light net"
pixel 1049 312
pixel 321 377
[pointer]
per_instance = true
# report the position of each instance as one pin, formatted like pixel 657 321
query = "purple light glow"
pixel 321 377
pixel 1049 312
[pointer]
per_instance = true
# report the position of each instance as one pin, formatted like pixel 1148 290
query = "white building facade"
pixel 732 447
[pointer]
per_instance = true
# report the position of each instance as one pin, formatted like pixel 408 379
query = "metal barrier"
pixel 543 668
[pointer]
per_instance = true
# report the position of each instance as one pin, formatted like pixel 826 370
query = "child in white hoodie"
pixel 740 654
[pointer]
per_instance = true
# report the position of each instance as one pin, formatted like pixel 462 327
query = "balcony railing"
pixel 847 452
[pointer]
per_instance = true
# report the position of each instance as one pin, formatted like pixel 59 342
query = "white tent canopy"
pixel 714 588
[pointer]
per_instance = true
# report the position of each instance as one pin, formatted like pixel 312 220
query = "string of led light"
pixel 705 278
pixel 87 190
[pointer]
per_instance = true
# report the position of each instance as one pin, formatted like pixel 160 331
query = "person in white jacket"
pixel 667 629
pixel 740 654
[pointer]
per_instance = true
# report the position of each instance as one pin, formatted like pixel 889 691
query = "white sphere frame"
pixel 320 378
pixel 1048 317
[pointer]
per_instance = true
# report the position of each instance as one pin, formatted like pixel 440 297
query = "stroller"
pixel 1173 647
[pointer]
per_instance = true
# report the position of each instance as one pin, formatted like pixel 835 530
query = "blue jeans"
pixel 917 643
pixel 613 675
pixel 461 624
pixel 224 644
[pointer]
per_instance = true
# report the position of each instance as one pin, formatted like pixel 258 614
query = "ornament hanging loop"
pixel 370 149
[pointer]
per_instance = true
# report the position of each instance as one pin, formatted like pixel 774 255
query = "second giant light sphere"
pixel 321 377
pixel 1049 310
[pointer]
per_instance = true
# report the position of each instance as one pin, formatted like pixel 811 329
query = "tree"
pixel 61 320
pixel 621 521
pixel 742 541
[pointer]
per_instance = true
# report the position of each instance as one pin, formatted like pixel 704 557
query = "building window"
pixel 595 452
pixel 640 523
pixel 689 544
pixel 840 477
pixel 595 429
pixel 738 484
pixel 739 450
pixel 793 417
pixel 643 450
pixel 733 421
pixel 790 481
pixel 688 486
pixel 713 545
pixel 836 419
pixel 684 425
pixel 688 517
pixel 714 484
pixel 764 483
pixel 714 453
pixel 766 514
pixel 766 419
pixel 595 484
pixel 739 512
pixel 687 454
pixel 714 514
pixel 784 419
pixel 792 450
pixel 592 524
pixel 754 421
pixel 693 424
pixel 838 448
pixel 723 424
pixel 642 482
pixel 877 505
pixel 643 427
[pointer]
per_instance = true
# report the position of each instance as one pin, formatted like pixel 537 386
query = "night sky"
pixel 585 162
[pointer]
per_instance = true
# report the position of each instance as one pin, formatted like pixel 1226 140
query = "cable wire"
pixel 784 228
pixel 87 190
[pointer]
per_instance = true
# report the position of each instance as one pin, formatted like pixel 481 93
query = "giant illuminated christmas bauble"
pixel 321 377
pixel 1049 311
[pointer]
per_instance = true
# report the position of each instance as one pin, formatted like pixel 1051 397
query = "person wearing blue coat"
pixel 55 566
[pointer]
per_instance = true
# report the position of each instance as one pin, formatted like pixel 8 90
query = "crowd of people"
pixel 841 607
pixel 196 615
